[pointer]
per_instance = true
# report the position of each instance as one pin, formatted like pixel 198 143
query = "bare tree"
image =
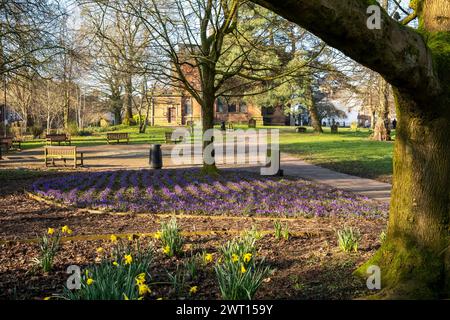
pixel 28 34
pixel 121 43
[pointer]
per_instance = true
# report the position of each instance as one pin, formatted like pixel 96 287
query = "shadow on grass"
pixel 348 153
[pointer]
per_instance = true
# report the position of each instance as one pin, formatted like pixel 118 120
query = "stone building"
pixel 175 109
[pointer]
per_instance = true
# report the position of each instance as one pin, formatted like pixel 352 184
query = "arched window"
pixel 220 105
pixel 232 108
pixel 187 107
pixel 243 107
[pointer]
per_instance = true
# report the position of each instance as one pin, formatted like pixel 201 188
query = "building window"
pixel 243 107
pixel 267 111
pixel 187 107
pixel 219 105
pixel 232 108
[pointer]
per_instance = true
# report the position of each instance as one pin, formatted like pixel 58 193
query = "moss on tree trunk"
pixel 414 260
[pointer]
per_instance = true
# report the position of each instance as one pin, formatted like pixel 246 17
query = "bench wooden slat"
pixel 62 153
pixel 9 142
pixel 117 136
pixel 62 137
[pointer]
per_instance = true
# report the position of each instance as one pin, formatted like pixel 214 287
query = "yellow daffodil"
pixel 66 229
pixel 125 297
pixel 113 238
pixel 99 250
pixel 234 258
pixel 143 289
pixel 159 298
pixel 247 257
pixel 141 275
pixel 115 264
pixel 128 259
pixel 208 258
pixel 89 281
pixel 140 279
pixel 243 270
pixel 193 290
pixel 157 235
pixel 47 298
pixel 50 231
pixel 166 250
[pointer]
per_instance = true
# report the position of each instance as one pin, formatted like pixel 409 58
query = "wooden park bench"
pixel 63 153
pixel 116 136
pixel 168 136
pixel 51 138
pixel 7 143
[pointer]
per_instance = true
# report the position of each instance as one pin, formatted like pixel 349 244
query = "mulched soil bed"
pixel 308 267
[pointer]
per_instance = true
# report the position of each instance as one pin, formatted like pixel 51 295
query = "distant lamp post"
pixel 4 108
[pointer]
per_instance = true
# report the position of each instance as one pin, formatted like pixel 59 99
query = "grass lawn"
pixel 348 152
pixel 153 134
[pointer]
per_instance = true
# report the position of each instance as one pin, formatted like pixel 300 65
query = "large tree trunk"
pixel 415 258
pixel 207 106
pixel 208 123
pixel 314 115
pixel 128 117
pixel 115 101
pixel 435 15
pixel 382 132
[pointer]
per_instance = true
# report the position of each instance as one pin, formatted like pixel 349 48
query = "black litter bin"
pixel 155 156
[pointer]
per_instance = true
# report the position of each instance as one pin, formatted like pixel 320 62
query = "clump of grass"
pixel 238 273
pixel 280 232
pixel 348 239
pixel 171 238
pixel 253 233
pixel 285 233
pixel 278 229
pixel 177 280
pixel 192 266
pixel 121 275
pixel 49 245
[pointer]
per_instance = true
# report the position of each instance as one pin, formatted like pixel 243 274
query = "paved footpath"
pixel 136 156
pixel 370 188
